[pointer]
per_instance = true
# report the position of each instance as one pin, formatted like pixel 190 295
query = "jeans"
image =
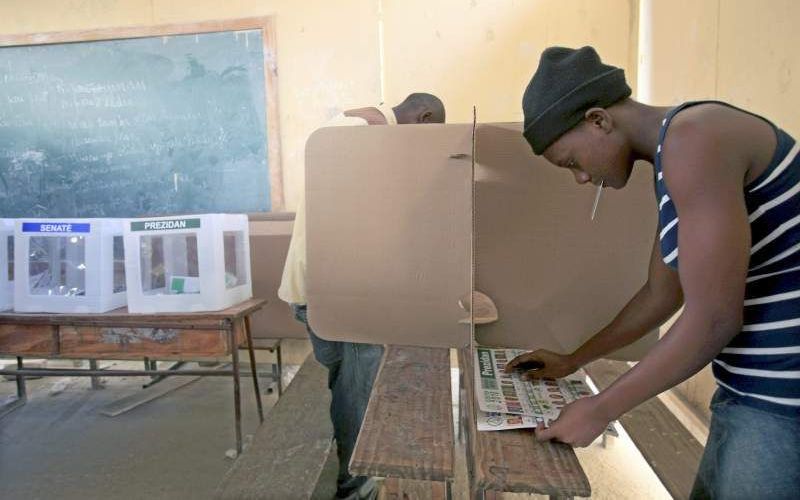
pixel 750 453
pixel 351 371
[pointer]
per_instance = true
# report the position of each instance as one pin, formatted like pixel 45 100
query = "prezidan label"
pixel 165 224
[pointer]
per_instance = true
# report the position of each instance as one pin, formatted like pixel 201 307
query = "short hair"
pixel 421 101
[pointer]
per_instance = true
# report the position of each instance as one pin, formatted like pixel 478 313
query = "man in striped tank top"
pixel 727 249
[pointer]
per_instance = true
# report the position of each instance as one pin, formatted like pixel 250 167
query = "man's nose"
pixel 581 177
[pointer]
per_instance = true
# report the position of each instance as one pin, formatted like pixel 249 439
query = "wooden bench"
pixel 407 432
pixel 664 442
pixel 289 450
pixel 513 460
pixel 407 489
pixel 407 436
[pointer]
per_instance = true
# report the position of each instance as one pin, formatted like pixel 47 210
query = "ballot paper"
pixel 505 401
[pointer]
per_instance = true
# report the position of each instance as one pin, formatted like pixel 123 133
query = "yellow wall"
pixel 741 51
pixel 484 52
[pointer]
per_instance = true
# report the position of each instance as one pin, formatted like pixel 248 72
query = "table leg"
pixel 237 402
pixel 22 393
pixel 279 365
pixel 95 379
pixel 253 368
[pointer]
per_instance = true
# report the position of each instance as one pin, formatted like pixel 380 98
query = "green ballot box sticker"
pixel 165 225
pixel 178 285
pixel 486 369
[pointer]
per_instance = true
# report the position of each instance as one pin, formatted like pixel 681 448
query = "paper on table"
pixel 507 402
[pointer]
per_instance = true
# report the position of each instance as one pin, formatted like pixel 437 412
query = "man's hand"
pixel 549 365
pixel 578 424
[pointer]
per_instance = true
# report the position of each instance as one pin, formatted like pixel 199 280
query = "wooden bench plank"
pixel 406 489
pixel 290 449
pixel 513 460
pixel 670 449
pixel 407 431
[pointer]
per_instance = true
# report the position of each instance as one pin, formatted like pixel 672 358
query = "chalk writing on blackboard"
pixel 133 127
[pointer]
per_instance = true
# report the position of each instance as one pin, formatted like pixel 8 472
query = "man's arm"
pixel 373 116
pixel 652 305
pixel 705 182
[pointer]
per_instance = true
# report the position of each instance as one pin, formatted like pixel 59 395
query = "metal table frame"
pixel 230 320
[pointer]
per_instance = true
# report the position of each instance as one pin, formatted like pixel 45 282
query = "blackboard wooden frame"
pixel 264 23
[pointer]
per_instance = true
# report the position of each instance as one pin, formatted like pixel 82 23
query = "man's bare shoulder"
pixel 719 135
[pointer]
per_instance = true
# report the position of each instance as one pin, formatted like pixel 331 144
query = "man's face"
pixel 593 155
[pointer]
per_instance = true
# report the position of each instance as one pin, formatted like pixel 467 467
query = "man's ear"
pixel 600 118
pixel 425 117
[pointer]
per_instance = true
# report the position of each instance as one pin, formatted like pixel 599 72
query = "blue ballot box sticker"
pixel 55 227
pixel 164 225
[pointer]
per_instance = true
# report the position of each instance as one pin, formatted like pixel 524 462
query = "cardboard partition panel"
pixel 390 236
pixel 269 244
pixel 389 219
pixel 555 276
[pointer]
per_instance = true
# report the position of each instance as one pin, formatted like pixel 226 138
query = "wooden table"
pixel 119 334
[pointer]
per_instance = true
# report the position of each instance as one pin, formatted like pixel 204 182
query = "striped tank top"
pixel 762 363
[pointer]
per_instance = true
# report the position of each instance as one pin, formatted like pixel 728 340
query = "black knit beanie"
pixel 566 84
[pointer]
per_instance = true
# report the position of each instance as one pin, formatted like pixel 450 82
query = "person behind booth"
pixel 727 249
pixel 351 366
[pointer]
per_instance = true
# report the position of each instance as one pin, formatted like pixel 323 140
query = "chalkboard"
pixel 136 126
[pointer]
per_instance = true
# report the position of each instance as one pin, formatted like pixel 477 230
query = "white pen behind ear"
pixel 597 198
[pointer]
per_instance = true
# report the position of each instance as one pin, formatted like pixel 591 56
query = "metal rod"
pixel 253 367
pixel 237 401
pixel 280 369
pixel 22 392
pixel 158 378
pixel 67 372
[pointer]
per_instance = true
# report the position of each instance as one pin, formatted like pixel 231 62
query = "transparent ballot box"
pixel 187 263
pixel 69 265
pixel 6 264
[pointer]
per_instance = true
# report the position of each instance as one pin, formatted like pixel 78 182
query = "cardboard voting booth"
pixel 402 226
